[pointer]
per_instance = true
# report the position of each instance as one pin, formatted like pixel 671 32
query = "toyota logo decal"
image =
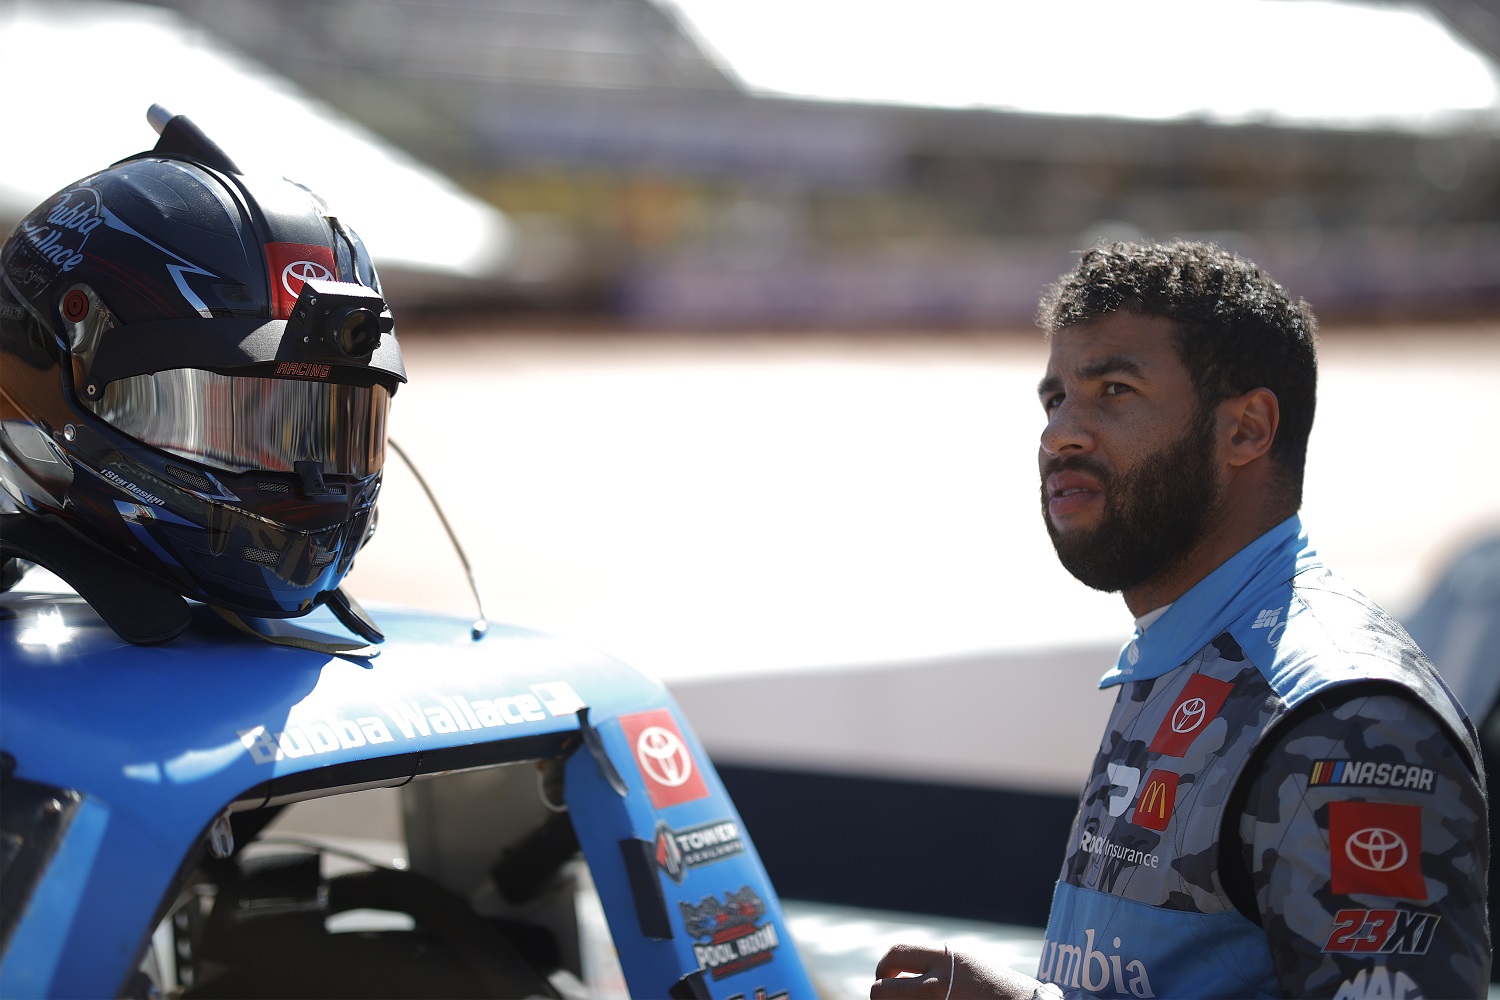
pixel 663 757
pixel 1189 715
pixel 299 272
pixel 1376 849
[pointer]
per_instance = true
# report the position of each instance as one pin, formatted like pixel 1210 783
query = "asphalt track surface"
pixel 737 504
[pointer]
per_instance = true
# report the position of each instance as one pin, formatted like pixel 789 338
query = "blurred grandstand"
pixel 645 179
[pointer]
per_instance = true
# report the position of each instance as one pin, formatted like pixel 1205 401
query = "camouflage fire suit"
pixel 1286 802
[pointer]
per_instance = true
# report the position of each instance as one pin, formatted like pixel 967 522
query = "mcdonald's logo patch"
pixel 1153 809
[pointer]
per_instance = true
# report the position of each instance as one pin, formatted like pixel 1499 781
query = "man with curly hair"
pixel 1287 801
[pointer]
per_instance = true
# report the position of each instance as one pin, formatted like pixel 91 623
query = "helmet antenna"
pixel 180 136
pixel 482 623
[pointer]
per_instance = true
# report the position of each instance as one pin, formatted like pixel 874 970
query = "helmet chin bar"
pixel 140 608
pixel 311 474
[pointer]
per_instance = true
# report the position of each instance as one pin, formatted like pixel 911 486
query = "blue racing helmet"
pixel 196 368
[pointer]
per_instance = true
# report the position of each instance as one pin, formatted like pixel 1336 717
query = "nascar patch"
pixel 1373 774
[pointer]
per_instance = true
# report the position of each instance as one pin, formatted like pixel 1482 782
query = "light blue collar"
pixel 1214 602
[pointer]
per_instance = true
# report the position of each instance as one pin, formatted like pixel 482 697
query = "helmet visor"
pixel 241 424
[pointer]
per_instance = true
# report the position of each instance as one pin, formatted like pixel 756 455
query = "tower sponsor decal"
pixel 678 851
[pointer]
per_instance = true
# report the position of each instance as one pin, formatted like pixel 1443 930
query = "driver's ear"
pixel 1248 423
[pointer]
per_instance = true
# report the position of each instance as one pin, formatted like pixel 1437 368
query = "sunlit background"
pixel 718 314
pixel 697 163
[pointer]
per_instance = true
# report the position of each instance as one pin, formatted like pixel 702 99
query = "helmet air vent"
pixel 263 556
pixel 200 483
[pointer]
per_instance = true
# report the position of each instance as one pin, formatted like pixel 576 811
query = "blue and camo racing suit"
pixel 1287 802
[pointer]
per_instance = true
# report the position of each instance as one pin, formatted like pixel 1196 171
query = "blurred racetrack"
pixel 741 503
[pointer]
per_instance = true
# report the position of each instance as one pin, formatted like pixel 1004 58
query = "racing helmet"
pixel 196 367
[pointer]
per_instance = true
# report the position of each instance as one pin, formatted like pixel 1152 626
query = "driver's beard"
pixel 1155 513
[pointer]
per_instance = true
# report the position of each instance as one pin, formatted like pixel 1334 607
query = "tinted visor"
pixel 239 424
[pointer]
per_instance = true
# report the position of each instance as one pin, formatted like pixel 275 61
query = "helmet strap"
pixel 282 633
pixel 353 617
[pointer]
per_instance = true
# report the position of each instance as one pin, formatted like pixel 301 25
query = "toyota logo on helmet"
pixel 299 272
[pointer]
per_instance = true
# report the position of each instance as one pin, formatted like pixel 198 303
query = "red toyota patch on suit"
pixel 291 265
pixel 672 775
pixel 1195 708
pixel 1376 848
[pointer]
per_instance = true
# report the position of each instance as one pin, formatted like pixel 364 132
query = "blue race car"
pixel 136 780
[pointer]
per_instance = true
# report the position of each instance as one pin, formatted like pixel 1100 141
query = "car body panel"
pixel 160 741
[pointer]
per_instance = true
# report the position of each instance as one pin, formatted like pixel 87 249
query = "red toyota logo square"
pixel 1194 709
pixel 291 265
pixel 1376 848
pixel 662 756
